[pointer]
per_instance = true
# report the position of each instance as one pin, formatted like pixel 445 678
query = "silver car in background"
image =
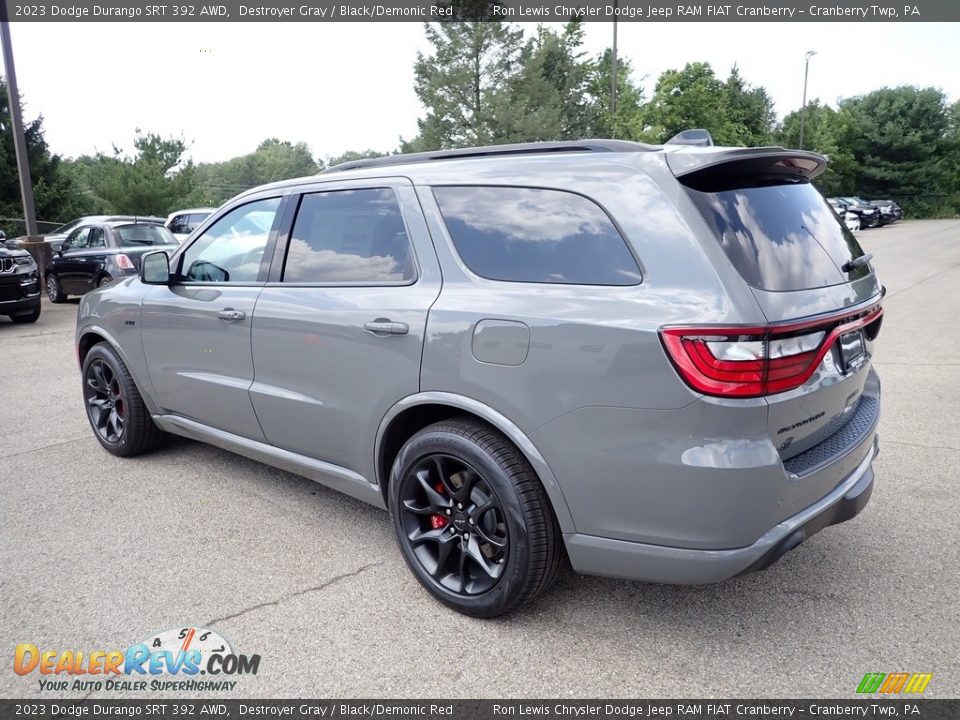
pixel 183 222
pixel 651 361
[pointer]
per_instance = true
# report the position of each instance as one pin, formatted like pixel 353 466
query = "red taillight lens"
pixel 123 262
pixel 756 361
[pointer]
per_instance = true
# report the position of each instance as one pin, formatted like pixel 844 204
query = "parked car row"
pixel 95 254
pixel 87 252
pixel 858 213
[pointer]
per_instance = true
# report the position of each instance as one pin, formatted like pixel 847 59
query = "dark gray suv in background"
pixel 652 361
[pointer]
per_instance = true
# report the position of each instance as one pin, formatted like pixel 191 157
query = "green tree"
pixel 272 160
pixel 560 63
pixel 152 180
pixel 627 123
pixel 749 112
pixel 690 98
pixel 55 195
pixel 828 132
pixel 351 155
pixel 900 140
pixel 463 82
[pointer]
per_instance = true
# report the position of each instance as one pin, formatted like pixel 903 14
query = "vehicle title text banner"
pixel 189 708
pixel 506 10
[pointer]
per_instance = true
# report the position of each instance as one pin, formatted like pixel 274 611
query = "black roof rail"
pixel 533 148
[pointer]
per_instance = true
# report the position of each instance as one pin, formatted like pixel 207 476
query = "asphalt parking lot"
pixel 99 553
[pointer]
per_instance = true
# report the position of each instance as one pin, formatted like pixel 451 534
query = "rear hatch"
pixel 814 284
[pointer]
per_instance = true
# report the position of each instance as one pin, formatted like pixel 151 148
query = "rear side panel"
pixel 588 345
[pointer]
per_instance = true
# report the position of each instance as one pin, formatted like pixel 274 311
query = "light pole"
pixel 803 109
pixel 613 75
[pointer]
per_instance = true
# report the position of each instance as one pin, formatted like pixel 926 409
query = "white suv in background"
pixel 183 222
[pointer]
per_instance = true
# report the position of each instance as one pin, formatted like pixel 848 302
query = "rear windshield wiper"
pixel 849 267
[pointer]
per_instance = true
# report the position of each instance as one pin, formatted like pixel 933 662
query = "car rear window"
pixel 781 236
pixel 139 235
pixel 535 235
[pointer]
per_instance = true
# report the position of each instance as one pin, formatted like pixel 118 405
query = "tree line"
pixel 493 82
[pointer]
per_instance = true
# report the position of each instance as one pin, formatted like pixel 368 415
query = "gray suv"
pixel 651 362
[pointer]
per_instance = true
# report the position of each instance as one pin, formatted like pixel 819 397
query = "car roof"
pixel 113 222
pixel 506 161
pixel 191 210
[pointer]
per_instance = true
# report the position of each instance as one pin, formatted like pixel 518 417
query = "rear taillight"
pixel 734 361
pixel 123 262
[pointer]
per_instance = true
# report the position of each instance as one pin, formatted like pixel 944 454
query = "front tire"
pixel 54 291
pixel 116 411
pixel 473 522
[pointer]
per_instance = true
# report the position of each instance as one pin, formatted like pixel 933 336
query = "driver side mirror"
pixel 155 268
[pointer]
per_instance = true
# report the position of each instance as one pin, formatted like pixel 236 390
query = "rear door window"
pixel 535 235
pixel 781 237
pixel 98 238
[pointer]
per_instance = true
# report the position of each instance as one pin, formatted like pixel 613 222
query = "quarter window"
pixel 535 235
pixel 231 250
pixel 349 236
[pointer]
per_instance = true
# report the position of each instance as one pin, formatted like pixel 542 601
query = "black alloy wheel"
pixel 120 419
pixel 454 523
pixel 106 405
pixel 474 523
pixel 54 291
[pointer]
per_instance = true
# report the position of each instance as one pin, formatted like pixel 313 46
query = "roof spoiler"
pixel 727 167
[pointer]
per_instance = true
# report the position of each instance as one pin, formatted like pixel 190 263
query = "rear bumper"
pixel 654 563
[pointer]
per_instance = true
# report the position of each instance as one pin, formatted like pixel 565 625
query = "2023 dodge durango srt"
pixel 653 361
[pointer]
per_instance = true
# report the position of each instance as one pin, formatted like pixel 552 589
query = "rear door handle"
pixel 383 327
pixel 231 315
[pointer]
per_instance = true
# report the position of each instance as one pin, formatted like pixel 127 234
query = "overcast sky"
pixel 226 87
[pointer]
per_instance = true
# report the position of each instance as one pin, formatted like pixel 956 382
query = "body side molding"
pixel 332 476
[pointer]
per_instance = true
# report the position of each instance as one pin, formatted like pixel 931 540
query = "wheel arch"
pixel 90 335
pixel 415 412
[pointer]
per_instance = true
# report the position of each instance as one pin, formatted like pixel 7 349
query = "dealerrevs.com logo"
pixel 181 653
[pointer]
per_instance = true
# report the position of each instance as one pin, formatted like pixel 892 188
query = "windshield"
pixel 781 237
pixel 139 235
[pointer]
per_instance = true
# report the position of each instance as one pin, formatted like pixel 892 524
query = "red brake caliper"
pixel 438 521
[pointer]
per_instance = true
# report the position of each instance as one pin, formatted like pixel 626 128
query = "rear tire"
pixel 28 317
pixel 473 522
pixel 104 281
pixel 115 409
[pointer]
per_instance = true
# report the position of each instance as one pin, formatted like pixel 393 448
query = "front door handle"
pixel 383 326
pixel 231 315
